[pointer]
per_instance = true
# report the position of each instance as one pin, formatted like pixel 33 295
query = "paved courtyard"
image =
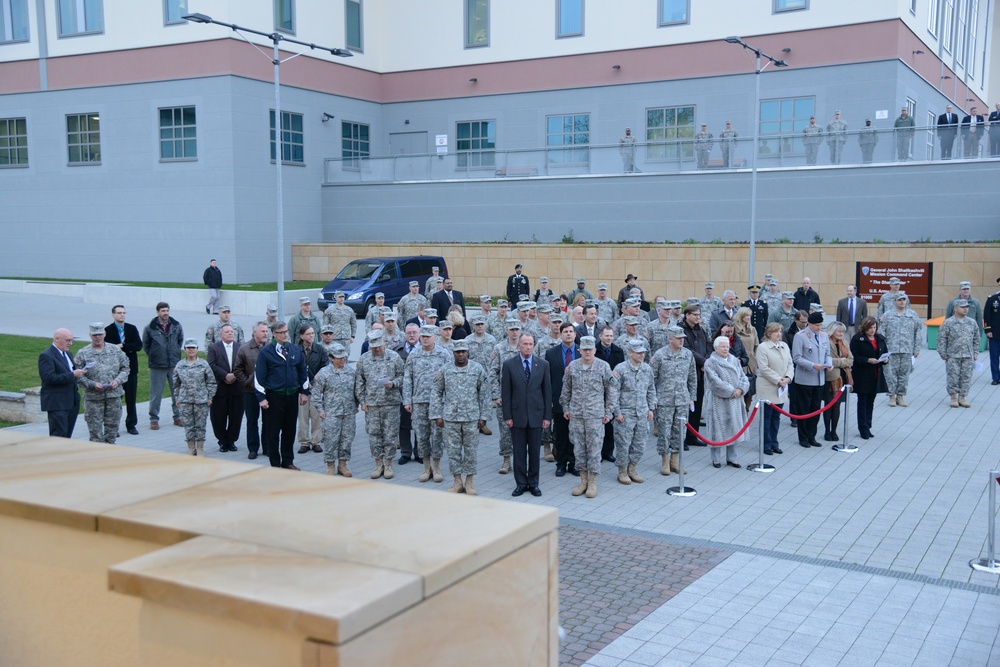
pixel 832 559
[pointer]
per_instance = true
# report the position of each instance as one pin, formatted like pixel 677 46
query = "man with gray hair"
pixel 726 313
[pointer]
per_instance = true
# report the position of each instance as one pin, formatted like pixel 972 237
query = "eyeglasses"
pixel 283 331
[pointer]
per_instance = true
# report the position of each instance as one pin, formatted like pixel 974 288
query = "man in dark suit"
pixel 517 284
pixel 445 298
pixel 226 411
pixel 559 356
pixel 591 323
pixel 851 310
pixel 126 337
pixel 995 132
pixel 526 400
pixel 613 355
pixel 758 310
pixel 425 315
pixel 59 395
pixel 973 127
pixel 947 128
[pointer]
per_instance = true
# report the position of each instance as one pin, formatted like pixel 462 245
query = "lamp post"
pixel 276 38
pixel 756 140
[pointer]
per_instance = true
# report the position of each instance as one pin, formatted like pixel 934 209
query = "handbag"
pixel 753 384
pixel 837 384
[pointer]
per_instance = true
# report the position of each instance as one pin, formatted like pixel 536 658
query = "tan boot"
pixel 622 477
pixel 665 464
pixel 964 403
pixel 485 430
pixel 549 457
pixel 674 465
pixel 592 485
pixel 331 468
pixel 387 469
pixel 578 491
pixel 505 466
pixel 457 486
pixel 191 449
pixel 954 400
pixel 436 470
pixel 469 488
pixel 892 400
pixel 199 447
pixel 633 475
pixel 378 469
pixel 425 476
pixel 342 469
pixel 900 402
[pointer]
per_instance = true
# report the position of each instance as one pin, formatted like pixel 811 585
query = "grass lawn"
pixel 4 423
pixel 249 287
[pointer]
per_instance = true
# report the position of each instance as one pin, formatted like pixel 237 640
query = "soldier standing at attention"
pixel 460 405
pixel 503 351
pixel 703 146
pixel 709 304
pixel 634 411
pixel 334 400
pixel 867 139
pixel 958 345
pixel 836 137
pixel 212 335
pixel 727 141
pixel 431 285
pixel 758 310
pixel 887 301
pixel 107 369
pixel 812 137
pixel 676 379
pixel 901 328
pixel 374 313
pixel 626 148
pixel 408 305
pixel 422 366
pixel 589 396
pixel 772 297
pixel 904 128
pixel 195 385
pixel 304 317
pixel 975 308
pixel 343 319
pixel 517 284
pixel 378 379
pixel 543 294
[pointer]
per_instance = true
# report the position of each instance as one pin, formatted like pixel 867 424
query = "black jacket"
pixel 614 355
pixel 163 350
pixel 868 378
pixel 212 277
pixel 130 346
pixel 803 298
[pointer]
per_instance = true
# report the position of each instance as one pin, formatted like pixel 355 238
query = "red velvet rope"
pixel 732 439
pixel 823 409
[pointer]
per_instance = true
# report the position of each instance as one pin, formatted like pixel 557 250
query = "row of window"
pixel 958 23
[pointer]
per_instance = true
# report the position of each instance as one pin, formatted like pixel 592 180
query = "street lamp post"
pixel 756 140
pixel 276 38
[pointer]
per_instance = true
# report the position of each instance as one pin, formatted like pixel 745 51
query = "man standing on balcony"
pixel 626 147
pixel 703 146
pixel 995 132
pixel 973 127
pixel 812 138
pixel 947 128
pixel 727 141
pixel 904 127
pixel 836 137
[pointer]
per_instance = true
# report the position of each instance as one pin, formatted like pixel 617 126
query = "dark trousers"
pixel 995 356
pixel 831 418
pixel 131 417
pixel 807 399
pixel 527 442
pixel 251 408
pixel 696 414
pixel 995 144
pixel 772 419
pixel 226 415
pixel 865 407
pixel 946 146
pixel 280 420
pixel 406 444
pixel 608 447
pixel 564 448
pixel 62 422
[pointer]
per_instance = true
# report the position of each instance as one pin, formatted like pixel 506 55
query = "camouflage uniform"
pixel 544 344
pixel 408 305
pixel 418 388
pixel 619 326
pixel 495 327
pixel 333 393
pixel 430 286
pixel 702 148
pixel 975 309
pixel 812 138
pixel 393 340
pixel 958 344
pixel 727 141
pixel 212 335
pixel 902 338
pixel 102 409
pixel 297 321
pixel 371 317
pixel 501 353
pixel 636 399
pixel 657 332
pixel 195 385
pixel 607 310
pixel 773 302
pixel 344 322
pixel 589 394
pixel 887 302
pixel 708 308
pixel 382 417
pixel 541 298
pixel 676 378
pixel 461 397
pixel 836 131
pixel 480 348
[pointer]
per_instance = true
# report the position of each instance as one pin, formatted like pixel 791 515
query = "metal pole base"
pixel 847 449
pixel 980 564
pixel 682 491
pixel 760 467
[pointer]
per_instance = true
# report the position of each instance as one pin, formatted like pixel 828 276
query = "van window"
pixel 427 264
pixel 360 270
pixel 389 272
pixel 412 268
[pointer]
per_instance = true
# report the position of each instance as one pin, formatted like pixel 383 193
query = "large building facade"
pixel 135 144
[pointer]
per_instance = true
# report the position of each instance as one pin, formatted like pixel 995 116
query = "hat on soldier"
pixel 557 317
pixel 768 276
pixel 430 312
pixel 460 346
pixel 518 266
pixel 772 281
pixel 339 293
pixel 532 305
pixel 484 298
pixel 676 332
pixel 709 285
pixel 965 284
pixel 637 345
pixel 544 279
pixel 631 320
pixel 414 283
pixel 962 303
pixel 435 268
pixel 225 309
pixel 337 351
pixel 901 295
pixel 663 303
pixel 673 304
pixel 304 300
pixel 328 328
pixel 894 281
pixel 590 302
pixel 385 310
pixel 588 343
pixel 815 318
pixel 98 328
pixel 581 280
pixel 477 318
pixel 391 316
pixel 428 330
pixel 446 324
pixel 272 309
pixel 439 279
pixel 524 306
pixel 379 295
pixel 632 301
pixel 788 295
pixel 692 301
pixel 602 286
pixel 375 338
pixel 191 342
pixel 545 308
pixel 635 291
pixel 753 288
pixel 815 308
pixel 502 302
pixel 513 324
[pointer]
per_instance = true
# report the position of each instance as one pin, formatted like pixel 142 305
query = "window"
pixel 572 131
pixel 178 139
pixel 13 142
pixel 786 118
pixel 477 23
pixel 569 18
pixel 77 17
pixel 911 111
pixel 973 28
pixel 674 12
pixel 355 144
pixel 291 137
pixel 173 10
pixel 669 133
pixel 477 141
pixel 929 136
pixel 284 15
pixel 913 7
pixel 932 17
pixel 947 29
pixel 961 33
pixel 83 138
pixel 13 20
pixel 352 25
pixel 790 5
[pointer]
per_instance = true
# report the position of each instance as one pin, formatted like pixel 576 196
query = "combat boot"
pixel 592 485
pixel 622 477
pixel 342 469
pixel 469 488
pixel 331 468
pixel 900 402
pixel 191 449
pixel 457 486
pixel 378 469
pixel 578 491
pixel 485 430
pixel 547 449
pixel 426 474
pixel 633 475
pixel 505 466
pixel 387 469
pixel 665 464
pixel 954 400
pixel 674 466
pixel 199 447
pixel 892 400
pixel 964 403
pixel 436 470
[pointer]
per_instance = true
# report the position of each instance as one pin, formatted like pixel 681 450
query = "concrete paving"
pixel 836 559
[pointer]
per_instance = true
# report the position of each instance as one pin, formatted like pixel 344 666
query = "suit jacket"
pixel 947 125
pixel 967 125
pixel 860 311
pixel 616 357
pixel 216 356
pixel 720 316
pixel 130 346
pixel 557 368
pixel 581 330
pixel 527 403
pixel 442 304
pixel 59 390
pixel 994 123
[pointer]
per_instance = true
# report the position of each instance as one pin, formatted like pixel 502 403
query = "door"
pixel 409 152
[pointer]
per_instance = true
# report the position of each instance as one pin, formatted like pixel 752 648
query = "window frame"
pixel 789 142
pixel 970 66
pixel 559 23
pixel 947 29
pixel 933 19
pixel 661 23
pixel 301 133
pixel 176 140
pixel 19 141
pixel 278 11
pixel 572 149
pixel 913 7
pixel 182 9
pixel 930 132
pixel 354 154
pixel 360 47
pixel 462 156
pixel 467 26
pixel 801 6
pixel 659 149
pixel 77 5
pixel 81 145
pixel 8 25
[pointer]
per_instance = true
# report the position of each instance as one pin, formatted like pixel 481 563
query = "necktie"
pixel 69 362
pixel 281 352
pixel 229 354
pixel 450 300
pixel 569 356
pixel 852 313
pixel 527 372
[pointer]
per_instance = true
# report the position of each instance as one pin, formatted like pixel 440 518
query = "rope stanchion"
pixel 823 409
pixel 732 439
pixel 760 466
pixel 680 489
pixel 989 563
pixel 847 447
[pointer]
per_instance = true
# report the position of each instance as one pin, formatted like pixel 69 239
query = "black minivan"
pixel 363 278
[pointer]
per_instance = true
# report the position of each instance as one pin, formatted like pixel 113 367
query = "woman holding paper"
pixel 836 378
pixel 870 355
pixel 774 373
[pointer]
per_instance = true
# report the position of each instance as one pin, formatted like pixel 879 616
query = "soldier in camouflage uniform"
pixel 634 411
pixel 836 137
pixel 528 326
pixel 676 378
pixel 212 335
pixel 727 141
pixel 772 296
pixel 407 306
pixel 589 395
pixel 343 319
pixel 496 324
pixel 390 333
pixel 958 345
pixel 812 137
pixel 375 312
pixel 421 368
pixel 544 344
pixel 630 308
pixel 901 328
pixel 503 351
pixel 460 404
pixel 305 317
pixel 107 370
pixel 481 345
pixel 543 294
pixel 785 313
pixel 431 285
pixel 378 378
pixel 975 308
pixel 887 301
pixel 195 385
pixel 657 329
pixel 607 309
pixel 445 331
pixel 333 397
pixel 703 146
pixel 710 304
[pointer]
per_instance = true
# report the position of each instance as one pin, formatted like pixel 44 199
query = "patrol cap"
pixel 637 345
pixel 901 295
pixel 446 324
pixel 693 301
pixel 815 308
pixel 414 283
pixel 663 303
pixel 631 320
pixel 502 302
pixel 461 345
pixel 532 305
pixel 676 332
pixel 635 291
pixel 965 284
pixel 97 328
pixel 439 279
pixel 632 301
pixel 590 302
pixel 485 298
pixel 964 303
pixel 524 306
pixel 709 285
pixel 430 312
pixel 523 297
pixel 673 304
pixel 304 300
pixel 384 310
pixel 327 328
pixel 379 294
pixel 788 295
pixel 581 280
pixel 816 318
pixel 225 309
pixel 588 343
pixel 894 281
pixel 191 342
pixel 375 338
pixel 477 318
pixel 339 293
pixel 557 318
pixel 513 324
pixel 545 308
pixel 772 281
pixel 602 286
pixel 544 279
pixel 768 276
pixel 272 309
pixel 337 351
pixel 428 330
pixel 435 268
pixel 390 316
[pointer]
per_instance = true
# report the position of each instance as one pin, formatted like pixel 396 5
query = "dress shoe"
pixel 686 447
pixel 303 449
pixel 403 460
pixel 571 469
pixel 252 455
pixel 812 442
pixel 207 311
pixel 716 464
pixel 535 491
pixel 767 452
pixel 519 490
pixel 233 447
pixel 560 469
pixel 776 450
pixel 223 448
pixel 178 422
pixel 995 382
pixel 829 437
pixel 418 458
pixel 804 443
pixel 866 436
pixel 290 466
pixel 610 458
pixel 132 430
pixel 733 464
pixel 698 443
pixel 316 448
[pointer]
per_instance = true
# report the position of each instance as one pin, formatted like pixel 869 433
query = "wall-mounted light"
pixel 945 77
pixel 918 52
pixel 473 80
pixel 328 116
pixel 616 67
pixel 786 50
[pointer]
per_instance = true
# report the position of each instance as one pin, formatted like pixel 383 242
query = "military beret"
pixel 97 328
pixel 428 330
pixel 637 345
pixel 339 293
pixel 816 318
pixel 304 300
pixel 588 343
pixel 191 342
pixel 965 284
pixel 676 332
pixel 328 328
pixel 272 309
pixel 225 309
pixel 460 345
pixel 337 351
pixel 430 312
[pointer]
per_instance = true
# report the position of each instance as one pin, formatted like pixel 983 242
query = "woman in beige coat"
pixel 836 377
pixel 774 373
pixel 748 336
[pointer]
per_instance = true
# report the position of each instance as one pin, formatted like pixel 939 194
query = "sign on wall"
pixel 915 279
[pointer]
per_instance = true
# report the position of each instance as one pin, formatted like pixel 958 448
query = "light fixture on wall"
pixel 616 67
pixel 945 77
pixel 786 50
pixel 328 116
pixel 918 52
pixel 473 80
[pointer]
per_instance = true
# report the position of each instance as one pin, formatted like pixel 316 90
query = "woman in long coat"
pixel 869 379
pixel 775 371
pixel 725 414
pixel 836 378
